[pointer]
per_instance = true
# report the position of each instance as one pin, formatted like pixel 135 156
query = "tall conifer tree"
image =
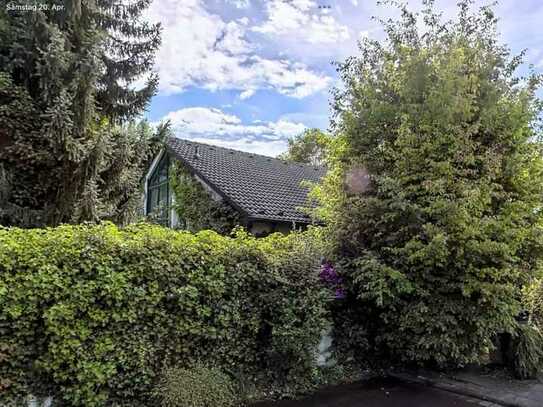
pixel 67 151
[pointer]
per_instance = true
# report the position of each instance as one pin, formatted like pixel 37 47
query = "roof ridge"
pixel 292 163
pixel 251 185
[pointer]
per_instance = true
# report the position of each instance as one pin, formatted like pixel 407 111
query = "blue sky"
pixel 248 74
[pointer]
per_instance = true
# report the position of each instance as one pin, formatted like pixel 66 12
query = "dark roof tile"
pixel 263 187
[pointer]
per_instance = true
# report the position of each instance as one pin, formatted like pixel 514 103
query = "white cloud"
pixel 213 126
pixel 200 49
pixel 285 128
pixel 268 148
pixel 303 20
pixel 231 41
pixel 246 94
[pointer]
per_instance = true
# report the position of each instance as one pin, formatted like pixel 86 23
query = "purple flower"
pixel 330 277
pixel 328 274
pixel 340 293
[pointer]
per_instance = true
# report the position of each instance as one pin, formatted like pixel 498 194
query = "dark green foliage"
pixel 195 207
pixel 127 54
pixel 22 186
pixel 196 386
pixel 94 314
pixel 527 344
pixel 527 352
pixel 309 147
pixel 351 338
pixel 88 51
pixel 435 250
pixel 65 96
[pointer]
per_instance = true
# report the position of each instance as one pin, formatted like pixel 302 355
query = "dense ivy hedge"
pixel 94 314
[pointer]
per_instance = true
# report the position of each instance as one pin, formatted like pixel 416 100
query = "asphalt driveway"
pixel 381 393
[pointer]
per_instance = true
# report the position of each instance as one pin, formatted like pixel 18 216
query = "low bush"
pixel 197 386
pixel 94 314
pixel 526 356
pixel 527 352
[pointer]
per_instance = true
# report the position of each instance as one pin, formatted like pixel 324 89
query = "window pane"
pixel 153 198
pixel 158 193
pixel 161 172
pixel 163 199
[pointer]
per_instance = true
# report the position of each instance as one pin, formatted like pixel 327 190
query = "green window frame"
pixel 158 192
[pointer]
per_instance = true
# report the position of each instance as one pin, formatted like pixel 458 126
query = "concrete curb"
pixel 467 389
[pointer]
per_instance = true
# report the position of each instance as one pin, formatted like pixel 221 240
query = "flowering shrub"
pixel 332 279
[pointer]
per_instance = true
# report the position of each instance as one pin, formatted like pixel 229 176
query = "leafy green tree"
pixel 435 248
pixel 308 147
pixel 69 153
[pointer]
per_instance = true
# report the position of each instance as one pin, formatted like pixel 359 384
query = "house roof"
pixel 262 187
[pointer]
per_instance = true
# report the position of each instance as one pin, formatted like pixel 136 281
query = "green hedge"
pixel 94 314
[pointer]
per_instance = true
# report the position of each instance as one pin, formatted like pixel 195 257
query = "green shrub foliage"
pixel 527 345
pixel 94 314
pixel 197 386
pixel 527 352
pixel 307 147
pixel 434 193
pixel 532 300
pixel 195 207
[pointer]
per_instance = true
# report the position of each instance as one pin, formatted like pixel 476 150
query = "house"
pixel 265 193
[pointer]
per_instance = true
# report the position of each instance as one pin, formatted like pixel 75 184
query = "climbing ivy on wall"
pixel 195 207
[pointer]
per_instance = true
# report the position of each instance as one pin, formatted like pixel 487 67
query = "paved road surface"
pixel 381 393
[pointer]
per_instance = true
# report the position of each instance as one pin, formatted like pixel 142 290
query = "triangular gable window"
pixel 158 192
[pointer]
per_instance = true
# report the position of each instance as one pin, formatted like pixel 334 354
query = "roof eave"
pixel 282 220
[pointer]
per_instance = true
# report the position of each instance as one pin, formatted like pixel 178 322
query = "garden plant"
pixel 433 199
